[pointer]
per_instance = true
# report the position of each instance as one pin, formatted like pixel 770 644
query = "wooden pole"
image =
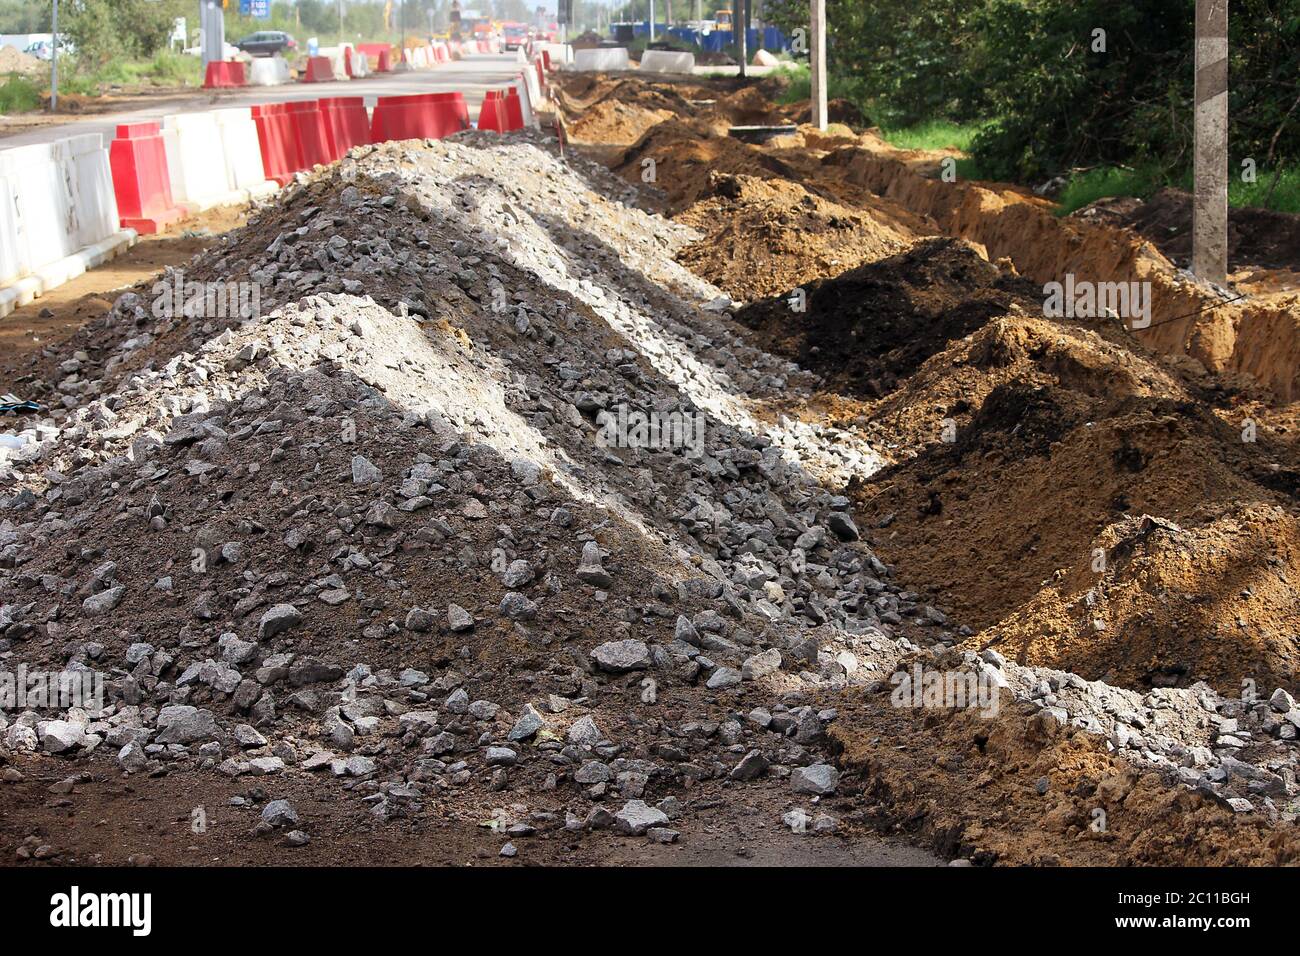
pixel 1210 176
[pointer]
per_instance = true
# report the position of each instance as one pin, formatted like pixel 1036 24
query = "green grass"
pixel 1105 182
pixel 18 94
pixel 799 87
pixel 1285 198
pixel 933 134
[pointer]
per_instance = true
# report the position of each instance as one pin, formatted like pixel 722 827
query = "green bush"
pixel 18 94
pixel 1057 101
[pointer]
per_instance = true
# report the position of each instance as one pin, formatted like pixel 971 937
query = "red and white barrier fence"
pixel 71 205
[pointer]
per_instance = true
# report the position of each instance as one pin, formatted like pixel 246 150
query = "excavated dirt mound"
pixel 869 327
pixel 1057 440
pixel 14 60
pixel 1256 237
pixel 617 123
pixel 684 161
pixel 1216 603
pixel 1067 492
pixel 764 237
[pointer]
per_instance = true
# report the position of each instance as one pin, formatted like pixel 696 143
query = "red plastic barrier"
pixel 546 60
pixel 281 152
pixel 346 123
pixel 319 70
pixel 514 109
pixel 308 123
pixel 492 114
pixel 422 116
pixel 140 179
pixel 381 56
pixel 222 74
pixel 541 73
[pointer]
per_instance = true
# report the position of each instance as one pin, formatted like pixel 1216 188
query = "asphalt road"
pixel 472 76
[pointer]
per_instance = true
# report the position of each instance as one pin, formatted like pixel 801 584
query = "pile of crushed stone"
pixel 373 533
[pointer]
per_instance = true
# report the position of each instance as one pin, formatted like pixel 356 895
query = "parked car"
pixel 267 43
pixel 514 35
pixel 44 49
pixel 228 51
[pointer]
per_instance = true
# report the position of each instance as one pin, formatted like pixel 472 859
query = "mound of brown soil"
pixel 616 123
pixel 869 327
pixel 1028 451
pixel 14 60
pixel 1214 603
pixel 765 237
pixel 837 111
pixel 684 160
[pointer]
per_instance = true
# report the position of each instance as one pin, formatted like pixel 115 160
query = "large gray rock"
pixel 279 813
pixel 819 780
pixel 183 724
pixel 584 733
pixel 760 665
pixel 278 619
pixel 364 472
pixel 459 619
pixel 529 722
pixel 752 766
pixel 590 569
pixel 619 657
pixel 637 817
pixel 60 736
pixel 104 601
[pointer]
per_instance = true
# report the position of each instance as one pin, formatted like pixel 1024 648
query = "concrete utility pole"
pixel 740 34
pixel 652 21
pixel 817 62
pixel 54 59
pixel 1210 176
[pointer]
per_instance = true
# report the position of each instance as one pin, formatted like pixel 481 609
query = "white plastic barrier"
pixel 561 53
pixel 210 159
pixel 529 76
pixel 336 57
pixel 667 61
pixel 58 216
pixel 360 63
pixel 268 71
pixel 239 145
pixel 526 98
pixel 601 60
pixel 195 164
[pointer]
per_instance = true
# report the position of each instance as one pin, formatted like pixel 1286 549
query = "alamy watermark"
pixel 22 689
pixel 624 427
pixel 921 688
pixel 1083 299
pixel 176 298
